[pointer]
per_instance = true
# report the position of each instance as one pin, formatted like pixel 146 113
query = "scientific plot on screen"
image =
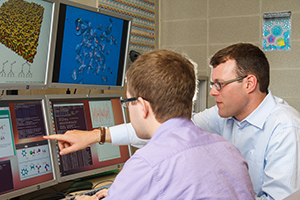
pixel 24 41
pixel 102 115
pixel 91 47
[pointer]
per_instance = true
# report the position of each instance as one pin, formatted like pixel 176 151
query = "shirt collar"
pixel 169 125
pixel 259 116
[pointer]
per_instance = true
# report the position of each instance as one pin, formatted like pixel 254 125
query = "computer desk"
pixel 97 182
pixel 105 179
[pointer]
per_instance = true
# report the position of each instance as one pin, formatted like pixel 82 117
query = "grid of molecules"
pixel 34 161
pixel 20 24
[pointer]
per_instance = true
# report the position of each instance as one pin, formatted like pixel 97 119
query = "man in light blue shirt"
pixel 263 127
pixel 269 140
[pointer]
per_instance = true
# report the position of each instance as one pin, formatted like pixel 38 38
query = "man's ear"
pixel 145 107
pixel 251 83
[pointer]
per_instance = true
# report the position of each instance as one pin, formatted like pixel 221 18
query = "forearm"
pixel 120 135
pixel 96 135
pixel 124 134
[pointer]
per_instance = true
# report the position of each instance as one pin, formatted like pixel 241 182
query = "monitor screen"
pixel 84 112
pixel 26 163
pixel 91 48
pixel 25 43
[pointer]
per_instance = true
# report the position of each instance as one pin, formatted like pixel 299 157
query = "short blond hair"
pixel 167 80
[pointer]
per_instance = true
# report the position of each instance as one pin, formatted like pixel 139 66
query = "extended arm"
pixel 75 140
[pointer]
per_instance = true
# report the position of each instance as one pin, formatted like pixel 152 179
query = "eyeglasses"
pixel 125 102
pixel 219 85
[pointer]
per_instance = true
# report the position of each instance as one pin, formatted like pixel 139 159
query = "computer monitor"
pixel 25 43
pixel 26 162
pixel 91 48
pixel 87 112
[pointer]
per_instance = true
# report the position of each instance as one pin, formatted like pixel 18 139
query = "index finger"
pixel 53 137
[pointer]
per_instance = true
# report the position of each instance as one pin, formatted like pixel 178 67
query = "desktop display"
pixel 91 48
pixel 84 112
pixel 26 163
pixel 25 43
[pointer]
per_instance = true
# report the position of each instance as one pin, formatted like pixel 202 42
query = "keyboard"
pixel 89 193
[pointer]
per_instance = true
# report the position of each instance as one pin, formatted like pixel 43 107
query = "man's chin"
pixel 224 115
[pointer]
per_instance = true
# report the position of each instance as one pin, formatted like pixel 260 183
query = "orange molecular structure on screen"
pixel 20 24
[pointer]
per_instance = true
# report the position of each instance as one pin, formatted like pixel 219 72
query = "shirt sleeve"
pixel 124 134
pixel 281 173
pixel 135 181
pixel 209 120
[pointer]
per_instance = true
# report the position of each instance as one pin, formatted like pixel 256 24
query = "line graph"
pixel 101 113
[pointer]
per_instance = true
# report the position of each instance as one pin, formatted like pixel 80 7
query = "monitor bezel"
pixel 84 174
pixel 50 56
pixel 52 84
pixel 42 185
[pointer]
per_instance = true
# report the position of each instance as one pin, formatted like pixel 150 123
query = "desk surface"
pixel 98 182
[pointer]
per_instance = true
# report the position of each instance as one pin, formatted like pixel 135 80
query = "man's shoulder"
pixel 195 141
pixel 283 112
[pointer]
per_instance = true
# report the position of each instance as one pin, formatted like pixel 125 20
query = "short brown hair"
pixel 167 80
pixel 249 60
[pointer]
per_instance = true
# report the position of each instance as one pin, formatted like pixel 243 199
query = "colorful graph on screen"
pixel 20 27
pixel 101 113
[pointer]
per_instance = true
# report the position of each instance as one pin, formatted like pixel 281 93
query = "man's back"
pixel 183 162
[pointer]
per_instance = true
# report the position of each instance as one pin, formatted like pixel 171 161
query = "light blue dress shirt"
pixel 181 161
pixel 269 139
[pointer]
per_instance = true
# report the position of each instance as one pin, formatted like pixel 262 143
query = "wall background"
pixel 201 27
